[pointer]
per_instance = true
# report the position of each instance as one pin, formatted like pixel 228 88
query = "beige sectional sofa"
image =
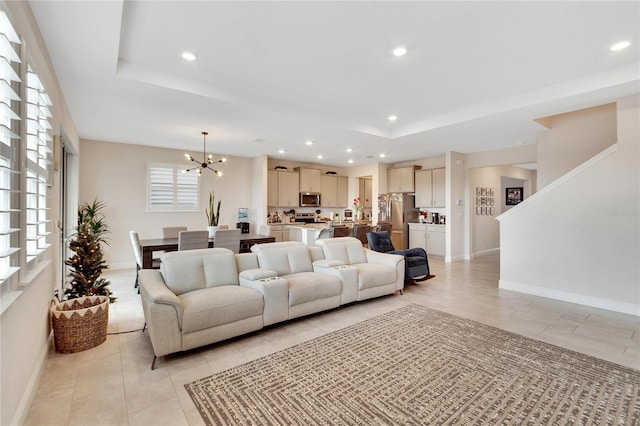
pixel 204 296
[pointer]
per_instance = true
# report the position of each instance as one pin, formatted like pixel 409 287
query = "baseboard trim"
pixel 20 415
pixel 485 252
pixel 565 296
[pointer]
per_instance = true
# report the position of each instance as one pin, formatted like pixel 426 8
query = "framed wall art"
pixel 514 196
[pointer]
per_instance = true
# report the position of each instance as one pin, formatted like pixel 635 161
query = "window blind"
pixel 9 145
pixel 172 190
pixel 38 161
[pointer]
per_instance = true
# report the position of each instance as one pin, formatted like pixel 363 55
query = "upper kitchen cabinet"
pixel 430 188
pixel 288 189
pixel 329 190
pixel 401 179
pixel 272 188
pixel 309 179
pixel 334 190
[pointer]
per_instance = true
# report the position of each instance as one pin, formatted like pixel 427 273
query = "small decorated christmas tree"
pixel 87 263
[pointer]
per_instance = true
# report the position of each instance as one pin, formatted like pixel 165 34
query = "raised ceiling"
pixel 271 75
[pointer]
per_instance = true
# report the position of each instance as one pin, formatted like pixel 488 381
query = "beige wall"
pixel 116 173
pixel 572 139
pixel 485 229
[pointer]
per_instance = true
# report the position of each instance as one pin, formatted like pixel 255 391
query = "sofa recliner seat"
pixel 199 297
pixel 309 291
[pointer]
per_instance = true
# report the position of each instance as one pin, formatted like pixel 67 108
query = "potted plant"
pixel 80 321
pixel 213 216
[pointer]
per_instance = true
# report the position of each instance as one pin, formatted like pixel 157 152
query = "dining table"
pixel 150 245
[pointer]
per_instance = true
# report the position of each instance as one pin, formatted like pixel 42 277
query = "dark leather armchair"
pixel 416 263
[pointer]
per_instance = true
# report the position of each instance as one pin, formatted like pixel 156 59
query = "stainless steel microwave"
pixel 309 199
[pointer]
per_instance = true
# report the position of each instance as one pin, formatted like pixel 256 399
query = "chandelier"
pixel 204 164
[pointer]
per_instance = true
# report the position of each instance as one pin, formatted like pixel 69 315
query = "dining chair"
pixel 190 240
pixel 360 232
pixel 264 230
pixel 172 231
pixel 227 238
pixel 383 226
pixel 341 231
pixel 137 251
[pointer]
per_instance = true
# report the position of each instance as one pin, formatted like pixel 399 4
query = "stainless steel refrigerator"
pixel 399 210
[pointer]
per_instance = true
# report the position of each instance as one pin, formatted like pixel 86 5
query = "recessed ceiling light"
pixel 400 51
pixel 350 161
pixel 281 151
pixel 349 150
pixel 188 56
pixel 319 157
pixel 309 143
pixel 383 155
pixel 620 45
pixel 392 117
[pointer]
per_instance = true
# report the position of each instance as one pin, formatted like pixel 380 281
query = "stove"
pixel 305 217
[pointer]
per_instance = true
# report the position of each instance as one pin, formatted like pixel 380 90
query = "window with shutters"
pixel 25 164
pixel 10 235
pixel 38 161
pixel 170 189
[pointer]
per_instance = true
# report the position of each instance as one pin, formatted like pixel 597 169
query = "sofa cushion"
pixel 373 275
pixel 220 269
pixel 183 274
pixel 284 258
pixel 307 287
pixel 191 270
pixel 347 249
pixel 211 307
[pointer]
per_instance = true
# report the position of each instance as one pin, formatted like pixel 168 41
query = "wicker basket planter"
pixel 80 324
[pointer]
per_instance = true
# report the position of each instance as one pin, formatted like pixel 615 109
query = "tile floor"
pixel 113 384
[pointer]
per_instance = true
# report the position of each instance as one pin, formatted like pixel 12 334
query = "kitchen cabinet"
pixel 439 188
pixel 401 179
pixel 432 238
pixel 418 235
pixel 288 189
pixel 436 240
pixel 334 191
pixel 280 232
pixel 329 190
pixel 309 179
pixel 343 192
pixel 430 188
pixel 272 188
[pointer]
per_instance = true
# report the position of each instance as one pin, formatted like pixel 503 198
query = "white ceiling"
pixel 271 75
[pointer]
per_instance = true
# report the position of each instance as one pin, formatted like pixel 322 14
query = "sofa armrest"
pixel 325 263
pixel 257 274
pixel 162 312
pixel 275 292
pixel 396 261
pixel 383 258
pixel 156 291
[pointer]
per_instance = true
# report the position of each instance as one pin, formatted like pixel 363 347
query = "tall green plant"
pixel 87 263
pixel 213 216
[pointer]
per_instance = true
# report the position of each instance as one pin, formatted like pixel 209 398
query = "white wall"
pixel 24 340
pixel 572 139
pixel 116 173
pixel 589 252
pixel 456 189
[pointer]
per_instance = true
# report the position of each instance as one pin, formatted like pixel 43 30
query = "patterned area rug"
pixel 418 366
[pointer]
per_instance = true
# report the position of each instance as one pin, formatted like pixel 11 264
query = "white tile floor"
pixel 113 384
